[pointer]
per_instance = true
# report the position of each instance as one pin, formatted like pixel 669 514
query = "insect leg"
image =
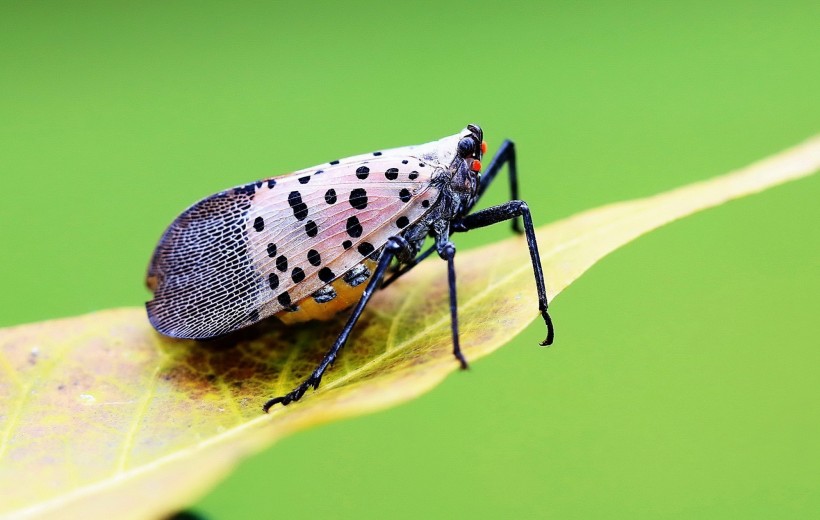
pixel 393 246
pixel 507 211
pixel 504 155
pixel 447 251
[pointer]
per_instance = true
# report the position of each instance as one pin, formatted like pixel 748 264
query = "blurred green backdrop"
pixel 684 381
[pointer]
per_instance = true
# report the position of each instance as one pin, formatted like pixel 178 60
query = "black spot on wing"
pixel 358 198
pixel 365 248
pixel 248 189
pixel 326 275
pixel 354 227
pixel 300 209
pixel 311 229
pixel 259 224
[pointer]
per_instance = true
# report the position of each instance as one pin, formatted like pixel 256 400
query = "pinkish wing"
pixel 253 251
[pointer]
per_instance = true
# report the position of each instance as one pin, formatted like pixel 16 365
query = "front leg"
pixel 507 211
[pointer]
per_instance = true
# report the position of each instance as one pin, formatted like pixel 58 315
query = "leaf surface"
pixel 100 415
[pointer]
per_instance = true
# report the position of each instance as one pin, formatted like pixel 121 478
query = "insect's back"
pixel 261 249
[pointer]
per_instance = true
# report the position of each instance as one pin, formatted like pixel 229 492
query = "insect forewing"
pixel 255 250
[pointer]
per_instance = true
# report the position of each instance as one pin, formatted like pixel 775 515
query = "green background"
pixel 684 379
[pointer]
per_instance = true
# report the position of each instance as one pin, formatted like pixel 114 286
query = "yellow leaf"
pixel 100 415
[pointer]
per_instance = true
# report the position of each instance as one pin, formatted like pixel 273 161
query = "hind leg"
pixel 392 248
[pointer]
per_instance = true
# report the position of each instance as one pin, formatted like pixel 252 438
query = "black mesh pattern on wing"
pixel 205 285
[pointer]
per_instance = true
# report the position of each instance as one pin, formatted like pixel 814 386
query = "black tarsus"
pixel 394 246
pixel 507 211
pixel 186 515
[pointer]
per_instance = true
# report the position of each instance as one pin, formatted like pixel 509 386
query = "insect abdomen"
pixel 332 299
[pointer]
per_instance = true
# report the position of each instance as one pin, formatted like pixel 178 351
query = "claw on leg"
pixel 286 399
pixel 462 361
pixel 294 395
pixel 550 329
pixel 512 210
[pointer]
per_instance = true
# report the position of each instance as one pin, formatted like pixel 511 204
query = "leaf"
pixel 99 414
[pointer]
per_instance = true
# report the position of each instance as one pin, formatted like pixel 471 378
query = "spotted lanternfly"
pixel 301 246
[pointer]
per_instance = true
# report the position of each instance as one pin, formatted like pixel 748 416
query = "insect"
pixel 310 244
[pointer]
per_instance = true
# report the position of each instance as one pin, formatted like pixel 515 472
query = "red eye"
pixel 476 166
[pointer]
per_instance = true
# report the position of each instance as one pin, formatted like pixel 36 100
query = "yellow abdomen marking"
pixel 346 297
